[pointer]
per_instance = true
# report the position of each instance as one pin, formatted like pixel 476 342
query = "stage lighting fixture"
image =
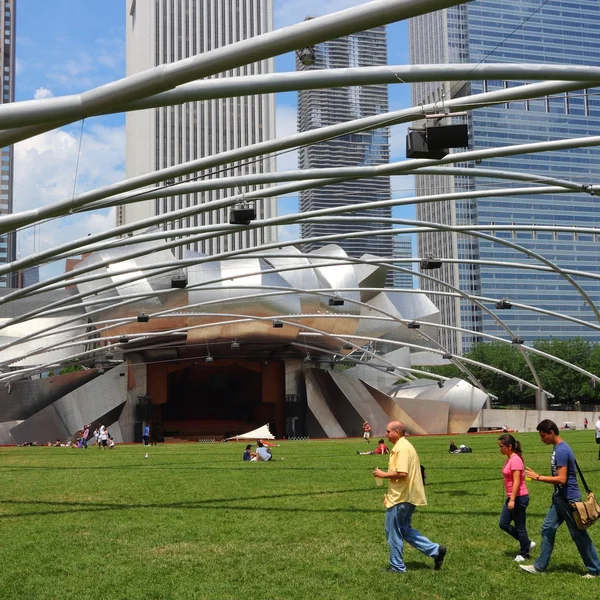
pixel 277 324
pixel 242 213
pixel 427 264
pixel 517 340
pixel 143 317
pixel 179 281
pixel 503 304
pixel 307 56
pixel 235 345
pixel 414 325
pixel 335 301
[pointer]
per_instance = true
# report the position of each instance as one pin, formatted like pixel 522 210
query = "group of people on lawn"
pixel 263 452
pixel 406 491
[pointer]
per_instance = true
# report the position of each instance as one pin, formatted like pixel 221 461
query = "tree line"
pixel 567 385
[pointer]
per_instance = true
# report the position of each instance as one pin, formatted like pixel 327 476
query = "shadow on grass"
pixel 211 503
pixel 223 504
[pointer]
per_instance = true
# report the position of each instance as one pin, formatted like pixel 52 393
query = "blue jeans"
pixel 560 512
pixel 398 529
pixel 519 516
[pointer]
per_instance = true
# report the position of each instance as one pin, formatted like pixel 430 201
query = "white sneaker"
pixel 531 569
pixel 532 545
pixel 519 558
pixel 590 576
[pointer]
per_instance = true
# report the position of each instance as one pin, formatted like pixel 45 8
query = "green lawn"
pixel 194 521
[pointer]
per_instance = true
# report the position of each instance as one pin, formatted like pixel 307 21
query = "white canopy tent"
pixel 262 433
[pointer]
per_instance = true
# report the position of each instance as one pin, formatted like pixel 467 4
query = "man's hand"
pixel 379 473
pixel 511 504
pixel 530 473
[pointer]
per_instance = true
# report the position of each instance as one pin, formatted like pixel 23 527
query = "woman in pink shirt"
pixel 517 496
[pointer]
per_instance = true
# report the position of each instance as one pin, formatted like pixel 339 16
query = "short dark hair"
pixel 548 426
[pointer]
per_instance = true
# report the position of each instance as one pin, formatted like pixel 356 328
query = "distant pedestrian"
pixel 84 436
pixel 598 435
pixel 366 431
pixel 566 490
pixel 517 496
pixel 405 493
pixel 103 437
pixel 99 432
pixel 585 423
pixel 146 435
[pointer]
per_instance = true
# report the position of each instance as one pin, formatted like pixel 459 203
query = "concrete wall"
pixel 527 420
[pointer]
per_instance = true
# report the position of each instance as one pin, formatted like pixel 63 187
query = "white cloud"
pixel 42 93
pixel 45 173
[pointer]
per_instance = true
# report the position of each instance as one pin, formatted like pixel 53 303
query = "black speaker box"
pixel 440 137
pixel 242 216
pixel 417 146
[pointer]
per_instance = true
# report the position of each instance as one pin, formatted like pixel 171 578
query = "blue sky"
pixel 69 46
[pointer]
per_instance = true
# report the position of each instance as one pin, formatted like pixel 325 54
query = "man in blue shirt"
pixel 146 436
pixel 566 490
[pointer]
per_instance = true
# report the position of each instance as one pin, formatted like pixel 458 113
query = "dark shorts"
pixel 104 442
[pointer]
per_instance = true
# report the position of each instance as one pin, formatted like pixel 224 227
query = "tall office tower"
pixel 164 31
pixel 8 242
pixel 320 108
pixel 533 31
pixel 403 249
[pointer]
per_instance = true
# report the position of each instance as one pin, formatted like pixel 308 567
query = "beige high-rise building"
pixel 163 31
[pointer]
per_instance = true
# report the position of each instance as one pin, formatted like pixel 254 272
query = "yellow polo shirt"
pixel 404 459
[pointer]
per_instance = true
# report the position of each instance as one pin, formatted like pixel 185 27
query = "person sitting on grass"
pixel 381 449
pixel 248 454
pixel 262 453
pixel 453 447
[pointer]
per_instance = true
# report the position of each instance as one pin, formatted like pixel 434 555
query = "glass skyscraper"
pixel 520 31
pixel 320 108
pixel 403 249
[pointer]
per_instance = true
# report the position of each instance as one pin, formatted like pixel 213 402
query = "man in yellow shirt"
pixel 405 493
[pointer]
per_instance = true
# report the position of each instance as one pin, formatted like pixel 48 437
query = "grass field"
pixel 194 521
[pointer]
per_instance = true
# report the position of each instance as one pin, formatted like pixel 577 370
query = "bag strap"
pixel 585 485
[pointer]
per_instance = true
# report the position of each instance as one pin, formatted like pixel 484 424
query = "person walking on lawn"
pixel 566 490
pixel 517 496
pixel 405 493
